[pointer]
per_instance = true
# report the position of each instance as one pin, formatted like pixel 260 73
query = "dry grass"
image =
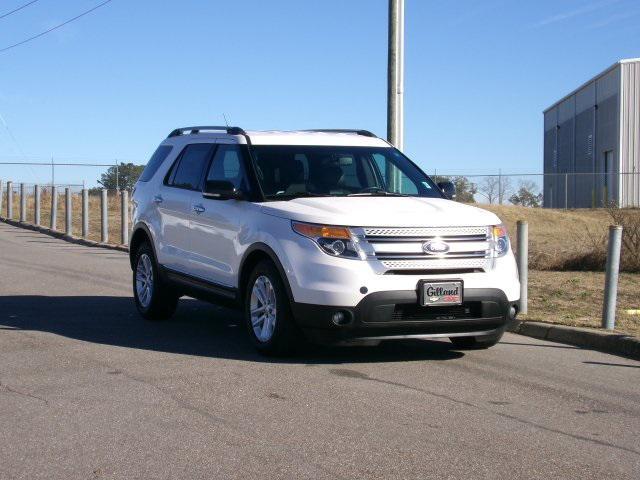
pixel 570 239
pixel 575 298
pixel 76 217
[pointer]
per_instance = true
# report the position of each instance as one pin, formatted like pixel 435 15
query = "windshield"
pixel 289 171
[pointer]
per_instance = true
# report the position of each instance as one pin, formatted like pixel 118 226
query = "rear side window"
pixel 159 156
pixel 193 161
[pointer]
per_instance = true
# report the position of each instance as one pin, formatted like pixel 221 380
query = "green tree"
pixel 127 176
pixel 465 189
pixel 526 195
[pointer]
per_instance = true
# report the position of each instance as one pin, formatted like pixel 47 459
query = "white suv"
pixel 330 235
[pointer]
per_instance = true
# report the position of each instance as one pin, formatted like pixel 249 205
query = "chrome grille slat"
pixel 408 256
pixel 424 231
pixel 401 248
pixel 449 239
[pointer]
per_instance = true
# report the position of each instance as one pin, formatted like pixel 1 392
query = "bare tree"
pixel 505 189
pixel 495 188
pixel 488 188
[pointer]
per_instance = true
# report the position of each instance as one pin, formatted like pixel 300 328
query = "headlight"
pixel 334 241
pixel 500 239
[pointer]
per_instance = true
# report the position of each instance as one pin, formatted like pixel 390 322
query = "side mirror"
pixel 221 190
pixel 448 188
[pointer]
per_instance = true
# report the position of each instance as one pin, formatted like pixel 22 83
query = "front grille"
pixel 402 248
pixel 417 313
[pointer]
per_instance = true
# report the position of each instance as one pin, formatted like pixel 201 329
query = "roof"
pixel 591 80
pixel 302 137
pixel 327 137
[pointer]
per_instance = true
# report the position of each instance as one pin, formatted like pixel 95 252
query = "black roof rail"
pixel 195 130
pixel 364 133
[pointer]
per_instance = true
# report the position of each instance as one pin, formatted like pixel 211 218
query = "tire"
pixel 476 343
pixel 271 327
pixel 158 301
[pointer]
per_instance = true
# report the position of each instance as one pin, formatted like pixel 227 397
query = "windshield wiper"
pixel 289 196
pixel 378 193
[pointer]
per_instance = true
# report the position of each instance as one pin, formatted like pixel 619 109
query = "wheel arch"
pixel 141 233
pixel 254 254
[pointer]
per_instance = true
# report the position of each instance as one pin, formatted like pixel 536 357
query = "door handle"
pixel 157 199
pixel 198 208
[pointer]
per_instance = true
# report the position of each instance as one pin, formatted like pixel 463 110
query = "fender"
pixel 266 249
pixel 142 226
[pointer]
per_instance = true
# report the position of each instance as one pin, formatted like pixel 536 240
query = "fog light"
pixel 512 312
pixel 340 318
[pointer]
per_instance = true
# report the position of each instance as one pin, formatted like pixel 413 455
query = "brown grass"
pixel 76 217
pixel 571 239
pixel 575 298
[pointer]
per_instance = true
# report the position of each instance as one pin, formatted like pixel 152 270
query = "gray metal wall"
pixel 577 133
pixel 630 135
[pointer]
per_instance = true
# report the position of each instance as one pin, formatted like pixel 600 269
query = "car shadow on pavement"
pixel 197 328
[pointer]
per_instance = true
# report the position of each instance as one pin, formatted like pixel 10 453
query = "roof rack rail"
pixel 364 133
pixel 195 130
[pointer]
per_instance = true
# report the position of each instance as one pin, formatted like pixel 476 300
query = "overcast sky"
pixel 112 84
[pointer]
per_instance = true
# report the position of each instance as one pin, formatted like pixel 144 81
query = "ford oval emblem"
pixel 435 247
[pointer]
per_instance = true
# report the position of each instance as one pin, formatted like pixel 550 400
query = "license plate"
pixel 441 293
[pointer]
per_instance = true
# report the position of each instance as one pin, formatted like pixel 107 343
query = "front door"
pixel 216 249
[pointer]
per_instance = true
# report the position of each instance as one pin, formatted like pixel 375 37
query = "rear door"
pixel 220 223
pixel 177 195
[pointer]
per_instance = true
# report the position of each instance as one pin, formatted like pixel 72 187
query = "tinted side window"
pixel 193 161
pixel 227 166
pixel 154 163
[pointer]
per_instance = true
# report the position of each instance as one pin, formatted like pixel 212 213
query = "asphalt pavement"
pixel 90 390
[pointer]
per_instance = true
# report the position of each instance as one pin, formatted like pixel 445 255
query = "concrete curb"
pixel 64 236
pixel 602 340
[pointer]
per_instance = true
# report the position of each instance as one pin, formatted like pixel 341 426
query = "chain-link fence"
pixel 73 208
pixel 550 190
pixel 94 214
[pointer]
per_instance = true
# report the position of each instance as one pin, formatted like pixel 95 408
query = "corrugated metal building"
pixel 592 142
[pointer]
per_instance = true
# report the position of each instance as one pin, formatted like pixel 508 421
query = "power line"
pixel 17 9
pixel 54 28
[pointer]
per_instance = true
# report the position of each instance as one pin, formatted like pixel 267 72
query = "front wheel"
pixel 154 299
pixel 268 314
pixel 476 343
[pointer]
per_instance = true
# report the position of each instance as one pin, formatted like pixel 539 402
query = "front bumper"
pixel 397 315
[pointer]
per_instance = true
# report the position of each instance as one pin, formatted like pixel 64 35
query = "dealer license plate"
pixel 441 293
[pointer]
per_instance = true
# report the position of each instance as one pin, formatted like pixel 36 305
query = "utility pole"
pixel 395 78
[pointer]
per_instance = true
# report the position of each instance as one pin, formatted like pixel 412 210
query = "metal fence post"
pixel 67 211
pixel 9 200
pixel 54 208
pixel 23 204
pixel 1 197
pixel 85 213
pixel 36 205
pixel 523 264
pixel 611 277
pixel 104 216
pixel 124 218
pixel 566 191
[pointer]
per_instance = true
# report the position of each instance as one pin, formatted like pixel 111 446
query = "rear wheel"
pixel 268 314
pixel 476 343
pixel 154 299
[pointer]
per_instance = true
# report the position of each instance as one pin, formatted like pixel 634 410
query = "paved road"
pixel 89 390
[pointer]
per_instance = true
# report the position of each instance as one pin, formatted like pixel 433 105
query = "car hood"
pixel 381 212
